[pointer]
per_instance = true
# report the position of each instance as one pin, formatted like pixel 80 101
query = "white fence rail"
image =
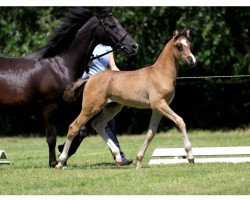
pixel 201 154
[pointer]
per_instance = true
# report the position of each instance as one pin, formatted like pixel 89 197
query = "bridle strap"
pixel 118 45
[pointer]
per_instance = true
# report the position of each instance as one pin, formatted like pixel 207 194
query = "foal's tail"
pixel 74 90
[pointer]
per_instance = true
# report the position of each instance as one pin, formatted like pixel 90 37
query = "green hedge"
pixel 220 42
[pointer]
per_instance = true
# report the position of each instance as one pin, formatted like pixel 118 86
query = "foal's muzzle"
pixel 191 60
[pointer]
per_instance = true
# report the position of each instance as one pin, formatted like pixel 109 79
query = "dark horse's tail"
pixel 74 90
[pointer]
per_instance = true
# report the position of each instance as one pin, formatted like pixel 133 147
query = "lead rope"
pixel 98 56
pixel 211 77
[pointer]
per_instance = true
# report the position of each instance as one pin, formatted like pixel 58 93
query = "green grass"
pixel 92 170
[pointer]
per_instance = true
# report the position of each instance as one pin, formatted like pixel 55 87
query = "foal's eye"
pixel 179 47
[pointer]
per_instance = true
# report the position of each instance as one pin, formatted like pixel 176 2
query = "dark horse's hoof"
pixel 53 164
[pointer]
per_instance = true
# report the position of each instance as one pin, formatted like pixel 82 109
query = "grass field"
pixel 92 171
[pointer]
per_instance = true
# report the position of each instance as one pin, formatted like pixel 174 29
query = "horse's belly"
pixel 10 99
pixel 132 102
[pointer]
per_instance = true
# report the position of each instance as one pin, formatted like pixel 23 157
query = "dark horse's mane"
pixel 64 34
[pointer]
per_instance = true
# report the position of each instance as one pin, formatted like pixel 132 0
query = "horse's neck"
pixel 166 63
pixel 78 54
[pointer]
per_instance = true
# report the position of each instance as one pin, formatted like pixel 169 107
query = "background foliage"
pixel 220 41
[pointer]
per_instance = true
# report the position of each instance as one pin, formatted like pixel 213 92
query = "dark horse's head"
pixel 111 31
pixel 78 21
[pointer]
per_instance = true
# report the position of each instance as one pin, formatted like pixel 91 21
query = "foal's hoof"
pixel 138 165
pixel 139 162
pixel 191 160
pixel 59 166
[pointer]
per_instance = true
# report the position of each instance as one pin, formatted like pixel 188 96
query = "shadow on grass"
pixel 105 165
pixel 101 165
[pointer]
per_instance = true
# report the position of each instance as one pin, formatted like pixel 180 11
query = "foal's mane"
pixel 64 34
pixel 166 41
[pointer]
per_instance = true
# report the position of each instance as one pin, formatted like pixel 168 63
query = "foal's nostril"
pixel 190 60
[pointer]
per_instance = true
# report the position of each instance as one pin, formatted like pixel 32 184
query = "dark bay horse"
pixel 150 87
pixel 39 79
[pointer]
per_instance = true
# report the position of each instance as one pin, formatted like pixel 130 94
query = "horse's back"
pixel 15 63
pixel 14 80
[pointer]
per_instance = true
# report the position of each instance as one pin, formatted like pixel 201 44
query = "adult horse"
pixel 39 79
pixel 150 87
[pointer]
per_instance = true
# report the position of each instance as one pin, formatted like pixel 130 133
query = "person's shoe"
pixel 125 161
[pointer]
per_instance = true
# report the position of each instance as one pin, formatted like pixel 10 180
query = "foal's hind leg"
pixel 164 108
pixel 80 121
pixel 153 125
pixel 99 124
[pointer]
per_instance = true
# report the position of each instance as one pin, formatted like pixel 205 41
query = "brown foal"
pixel 150 87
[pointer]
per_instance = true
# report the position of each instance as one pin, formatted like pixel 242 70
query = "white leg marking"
pixel 64 156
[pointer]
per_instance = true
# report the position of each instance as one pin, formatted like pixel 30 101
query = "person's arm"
pixel 112 64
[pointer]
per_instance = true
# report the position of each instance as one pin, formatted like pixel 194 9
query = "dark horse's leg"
pixel 48 116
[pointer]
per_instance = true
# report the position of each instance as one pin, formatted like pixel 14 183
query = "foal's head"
pixel 182 47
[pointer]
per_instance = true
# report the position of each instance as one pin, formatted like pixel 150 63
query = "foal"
pixel 150 87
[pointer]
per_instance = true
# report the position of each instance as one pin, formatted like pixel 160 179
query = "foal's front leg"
pixel 153 125
pixel 164 108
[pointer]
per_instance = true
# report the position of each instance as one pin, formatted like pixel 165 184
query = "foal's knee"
pixel 72 131
pixel 180 123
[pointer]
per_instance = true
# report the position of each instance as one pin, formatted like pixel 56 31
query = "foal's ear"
pixel 187 33
pixel 175 33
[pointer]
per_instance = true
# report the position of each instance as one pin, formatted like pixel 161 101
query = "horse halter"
pixel 118 44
